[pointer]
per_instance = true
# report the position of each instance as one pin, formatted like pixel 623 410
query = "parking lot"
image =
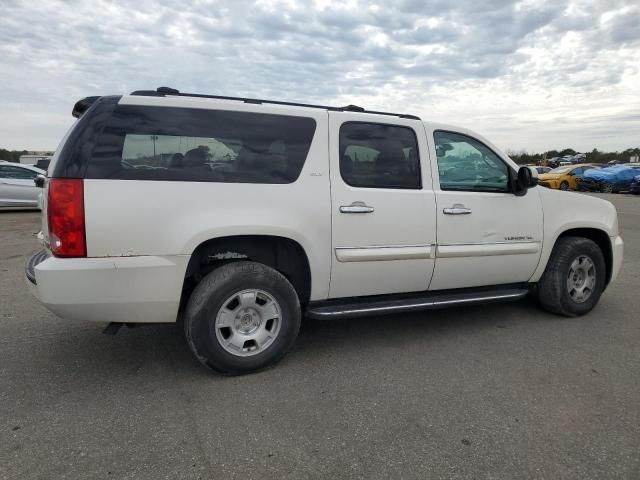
pixel 497 391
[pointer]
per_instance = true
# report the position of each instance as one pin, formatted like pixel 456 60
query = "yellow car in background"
pixel 565 177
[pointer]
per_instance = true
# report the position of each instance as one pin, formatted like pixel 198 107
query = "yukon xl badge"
pixel 518 239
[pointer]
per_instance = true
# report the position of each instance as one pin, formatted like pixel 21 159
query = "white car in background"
pixel 17 187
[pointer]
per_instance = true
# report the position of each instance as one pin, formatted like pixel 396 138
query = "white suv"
pixel 239 216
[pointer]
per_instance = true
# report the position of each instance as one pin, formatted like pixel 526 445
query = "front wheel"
pixel 607 187
pixel 242 317
pixel 574 278
pixel 564 186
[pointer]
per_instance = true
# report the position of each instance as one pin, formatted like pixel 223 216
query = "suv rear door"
pixel 383 206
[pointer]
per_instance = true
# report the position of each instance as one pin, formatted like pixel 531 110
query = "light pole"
pixel 154 138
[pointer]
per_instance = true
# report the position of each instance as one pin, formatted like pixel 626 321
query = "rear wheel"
pixel 242 317
pixel 564 186
pixel 574 278
pixel 607 187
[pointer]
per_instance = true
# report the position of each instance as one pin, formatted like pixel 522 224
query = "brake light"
pixel 65 213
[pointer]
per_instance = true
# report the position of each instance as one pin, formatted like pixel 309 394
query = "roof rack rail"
pixel 164 91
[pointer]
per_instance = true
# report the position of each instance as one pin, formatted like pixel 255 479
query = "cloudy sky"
pixel 530 74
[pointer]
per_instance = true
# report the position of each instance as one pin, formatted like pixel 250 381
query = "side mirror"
pixel 39 181
pixel 523 181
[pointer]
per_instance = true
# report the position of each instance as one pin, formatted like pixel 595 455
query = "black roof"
pixel 163 91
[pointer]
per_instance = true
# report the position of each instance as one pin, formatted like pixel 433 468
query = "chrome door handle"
pixel 356 207
pixel 457 209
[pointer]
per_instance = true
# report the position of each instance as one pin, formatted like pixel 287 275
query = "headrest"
pixel 194 158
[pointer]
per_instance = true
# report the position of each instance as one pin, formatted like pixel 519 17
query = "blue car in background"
pixel 635 185
pixel 612 179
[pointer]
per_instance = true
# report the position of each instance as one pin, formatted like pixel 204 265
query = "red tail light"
pixel 65 212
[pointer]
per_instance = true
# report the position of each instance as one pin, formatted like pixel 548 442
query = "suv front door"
pixel 383 206
pixel 486 234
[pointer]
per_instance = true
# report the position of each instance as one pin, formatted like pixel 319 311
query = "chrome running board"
pixel 389 304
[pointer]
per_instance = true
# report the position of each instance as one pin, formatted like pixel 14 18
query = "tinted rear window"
pixel 166 143
pixel 374 155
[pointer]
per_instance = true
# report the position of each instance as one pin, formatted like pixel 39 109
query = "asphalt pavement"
pixel 503 391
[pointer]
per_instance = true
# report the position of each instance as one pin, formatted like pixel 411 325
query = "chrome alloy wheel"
pixel 581 279
pixel 248 322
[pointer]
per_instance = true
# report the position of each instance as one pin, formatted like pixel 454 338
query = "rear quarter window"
pixel 179 144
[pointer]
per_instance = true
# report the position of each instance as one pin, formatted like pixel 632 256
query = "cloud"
pixel 526 74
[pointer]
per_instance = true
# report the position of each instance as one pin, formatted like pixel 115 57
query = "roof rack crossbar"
pixel 163 91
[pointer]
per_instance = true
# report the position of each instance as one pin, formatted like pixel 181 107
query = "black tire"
pixel 208 298
pixel 564 186
pixel 552 287
pixel 606 187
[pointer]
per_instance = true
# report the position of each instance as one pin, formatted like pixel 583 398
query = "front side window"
pixel 17 173
pixel 466 164
pixel 160 143
pixel 374 155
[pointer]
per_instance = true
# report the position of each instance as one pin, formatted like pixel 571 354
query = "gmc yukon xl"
pixel 240 216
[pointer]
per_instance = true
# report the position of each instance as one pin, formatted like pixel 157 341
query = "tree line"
pixel 594 156
pixel 11 155
pixel 14 155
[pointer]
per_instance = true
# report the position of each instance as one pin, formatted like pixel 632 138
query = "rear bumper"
pixel 30 267
pixel 144 289
pixel 617 248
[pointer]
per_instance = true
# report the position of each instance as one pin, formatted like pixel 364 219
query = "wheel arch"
pixel 281 253
pixel 600 238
